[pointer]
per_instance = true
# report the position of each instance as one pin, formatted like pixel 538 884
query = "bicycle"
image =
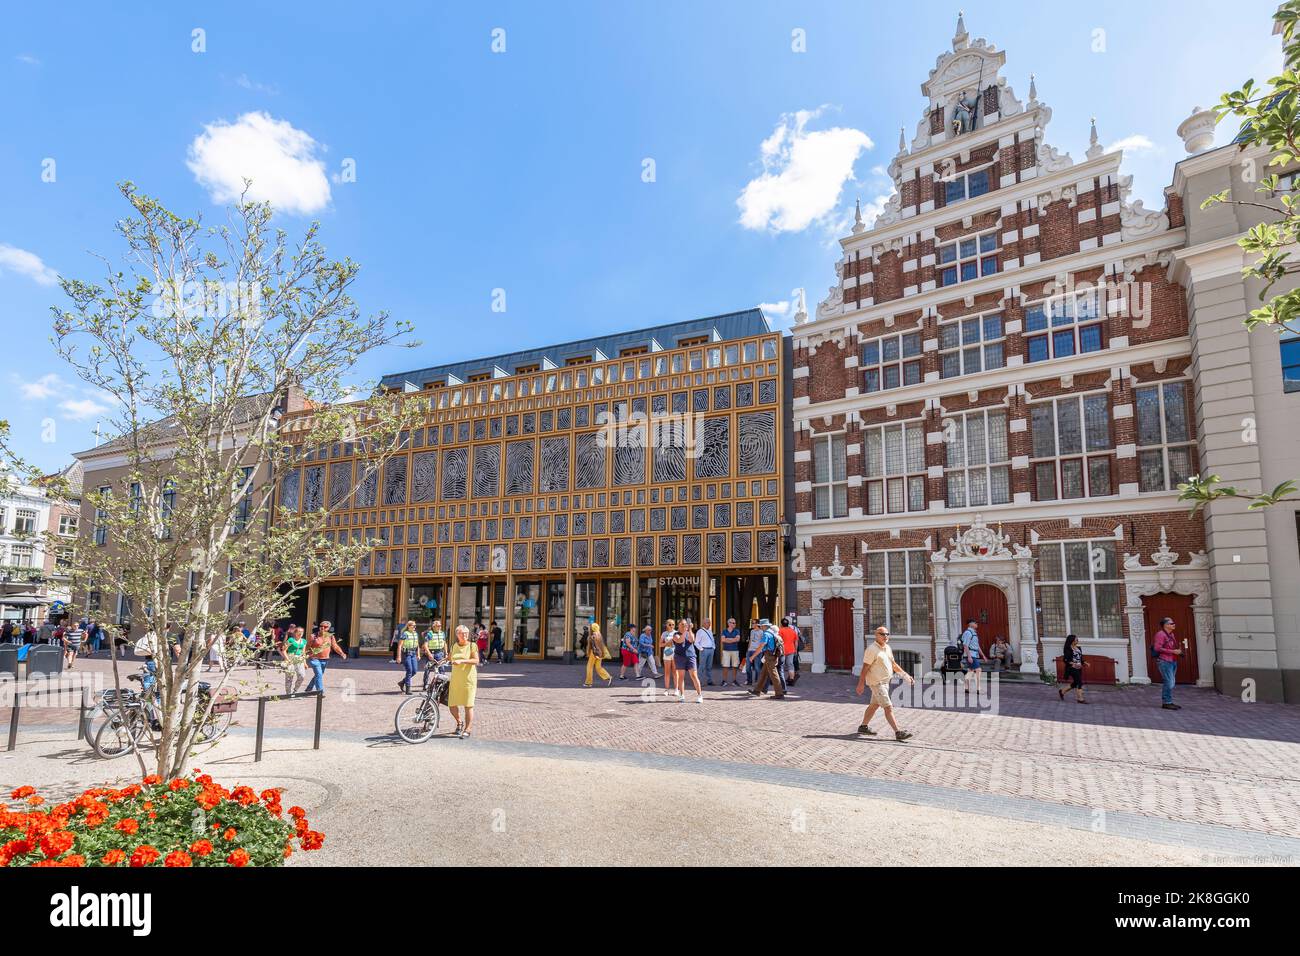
pixel 417 717
pixel 131 717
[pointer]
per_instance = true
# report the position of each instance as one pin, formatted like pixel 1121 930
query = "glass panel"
pixel 1038 348
pixel 976 451
pixel 1180 465
pixel 956 496
pixel 1175 413
pixel 912 373
pixel 1148 416
pixel 1099 476
pixel 1077 561
pixel 920 610
pixel 1045 481
pixel 994 355
pixel 891 376
pixel 1063 343
pixel 889 350
pixel 1049 562
pixel 875 460
pixel 898 610
pixel 1072 478
pixel 893 449
pixel 1096 416
pixel 915 448
pixel 967 248
pixel 1042 425
pixel 951 365
pixel 997 436
pixel 895 502
pixel 988 242
pixel 528 609
pixel 822 501
pixel 1090 338
pixel 897 567
pixel 876 567
pixel 555 598
pixel 970 331
pixel 1069 432
pixel 1052 600
pixel 969 270
pixel 911 344
pixel 947 253
pixel 838 457
pixel 1109 622
pixel 821 460
pixel 916 494
pixel 1081 623
pixel 1151 470
pixel 950 335
pixel 992 327
pixel 978 183
pixel 1035 318
pixel 875 498
pixel 841 500
pixel 999 486
pixel 978 487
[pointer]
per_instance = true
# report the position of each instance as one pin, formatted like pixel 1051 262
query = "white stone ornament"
pixel 981 541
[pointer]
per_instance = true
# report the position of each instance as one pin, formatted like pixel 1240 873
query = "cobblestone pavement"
pixel 1218 762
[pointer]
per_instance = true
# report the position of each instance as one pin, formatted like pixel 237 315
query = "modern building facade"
pixel 994 404
pixel 626 478
pixel 1247 409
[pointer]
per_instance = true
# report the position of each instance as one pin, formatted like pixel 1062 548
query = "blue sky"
pixel 523 170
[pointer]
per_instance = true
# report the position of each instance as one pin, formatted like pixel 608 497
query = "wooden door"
pixel 1178 607
pixel 986 605
pixel 837 625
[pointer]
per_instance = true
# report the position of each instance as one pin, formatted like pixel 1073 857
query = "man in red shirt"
pixel 1167 651
pixel 789 644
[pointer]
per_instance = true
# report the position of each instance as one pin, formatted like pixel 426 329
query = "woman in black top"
pixel 1073 669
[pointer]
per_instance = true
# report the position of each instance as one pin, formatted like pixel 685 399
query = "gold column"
pixel 570 646
pixel 451 604
pixel 313 605
pixel 633 606
pixel 508 627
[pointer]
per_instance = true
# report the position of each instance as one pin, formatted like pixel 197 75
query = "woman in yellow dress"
pixel 464 680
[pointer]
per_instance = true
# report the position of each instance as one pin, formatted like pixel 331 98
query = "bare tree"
pixel 225 353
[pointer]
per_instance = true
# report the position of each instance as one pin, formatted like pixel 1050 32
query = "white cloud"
pixel 40 389
pixel 245 81
pixel 1137 143
pixel 28 59
pixel 82 408
pixel 803 174
pixel 28 264
pixel 776 309
pixel 279 159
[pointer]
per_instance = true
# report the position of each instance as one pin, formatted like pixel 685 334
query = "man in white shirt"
pixel 705 647
pixel 878 667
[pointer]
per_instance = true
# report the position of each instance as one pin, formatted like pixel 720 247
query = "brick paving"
pixel 1217 762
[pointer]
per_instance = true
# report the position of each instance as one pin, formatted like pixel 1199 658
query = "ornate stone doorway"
pixel 985 604
pixel 835 593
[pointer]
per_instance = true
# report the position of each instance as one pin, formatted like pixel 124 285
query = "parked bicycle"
pixel 130 717
pixel 417 717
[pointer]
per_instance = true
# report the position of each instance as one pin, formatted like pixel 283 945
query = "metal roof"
pixel 732 325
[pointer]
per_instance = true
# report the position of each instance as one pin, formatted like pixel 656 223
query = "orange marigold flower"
pixel 238 858
pixel 270 796
pixel 113 857
pixel 57 843
pixel 144 855
pixel 152 779
pixel 178 858
pixel 203 779
pixel 35 801
pixel 244 795
pixel 127 825
pixel 74 859
pixel 148 804
pixel 153 815
pixel 21 792
pixel 207 799
pixel 180 783
pixel 288 851
pixel 312 840
pixel 230 834
pixel 297 812
pixel 201 847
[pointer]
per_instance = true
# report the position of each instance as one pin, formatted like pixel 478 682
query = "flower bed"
pixel 188 821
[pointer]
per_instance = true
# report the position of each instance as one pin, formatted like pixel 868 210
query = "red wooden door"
pixel 987 606
pixel 837 624
pixel 1178 607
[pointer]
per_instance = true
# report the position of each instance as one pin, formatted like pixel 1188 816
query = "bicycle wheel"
pixel 417 719
pixel 215 727
pixel 118 735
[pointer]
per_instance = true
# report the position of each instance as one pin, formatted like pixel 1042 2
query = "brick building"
pixel 994 405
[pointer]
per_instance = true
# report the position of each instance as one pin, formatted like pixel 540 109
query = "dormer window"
pixel 966 186
pixel 968 258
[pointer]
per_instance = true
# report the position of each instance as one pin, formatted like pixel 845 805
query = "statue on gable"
pixel 964 112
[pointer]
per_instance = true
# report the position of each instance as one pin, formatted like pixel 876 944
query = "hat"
pixel 764 622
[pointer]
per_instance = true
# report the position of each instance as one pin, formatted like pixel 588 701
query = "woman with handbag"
pixel 1073 655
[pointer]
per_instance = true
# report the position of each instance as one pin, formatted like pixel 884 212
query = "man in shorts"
pixel 878 667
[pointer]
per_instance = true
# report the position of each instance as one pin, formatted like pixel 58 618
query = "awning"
pixel 24 600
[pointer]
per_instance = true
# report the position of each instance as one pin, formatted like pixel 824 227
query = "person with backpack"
pixel 408 655
pixel 1166 651
pixel 971 653
pixel 765 653
pixel 789 647
pixel 433 647
pixel 596 656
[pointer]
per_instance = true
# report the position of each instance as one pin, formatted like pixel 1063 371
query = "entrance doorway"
pixel 751 597
pixel 837 625
pixel 334 604
pixel 986 605
pixel 378 619
pixel 1179 607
